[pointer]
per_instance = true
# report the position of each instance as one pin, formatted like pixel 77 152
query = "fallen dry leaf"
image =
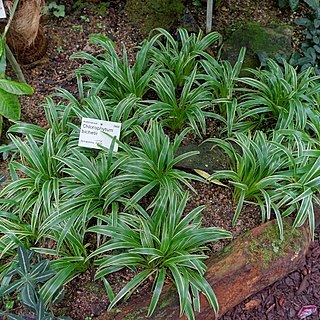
pixel 306 311
pixel 252 304
pixel 282 301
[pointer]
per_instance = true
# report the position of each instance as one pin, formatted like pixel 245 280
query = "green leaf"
pixel 9 105
pixel 157 291
pixel 49 289
pixel 130 286
pixel 29 297
pixel 314 4
pixel 24 262
pixel 282 3
pixel 15 87
pixel 293 4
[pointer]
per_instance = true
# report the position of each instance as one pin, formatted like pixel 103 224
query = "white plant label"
pixel 2 12
pixel 93 133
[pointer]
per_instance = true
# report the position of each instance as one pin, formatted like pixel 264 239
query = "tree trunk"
pixel 26 38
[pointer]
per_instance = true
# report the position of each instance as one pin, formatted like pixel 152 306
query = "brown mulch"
pixel 70 34
pixel 286 297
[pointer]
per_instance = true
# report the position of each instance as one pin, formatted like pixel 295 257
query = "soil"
pixel 84 298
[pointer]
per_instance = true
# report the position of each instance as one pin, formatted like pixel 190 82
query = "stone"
pixel 268 41
pixel 188 22
pixel 245 267
pixel 150 14
pixel 209 159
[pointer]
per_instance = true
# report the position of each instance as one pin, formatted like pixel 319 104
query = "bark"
pixel 249 264
pixel 26 37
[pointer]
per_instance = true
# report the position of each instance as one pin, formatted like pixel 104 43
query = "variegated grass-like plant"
pixel 165 244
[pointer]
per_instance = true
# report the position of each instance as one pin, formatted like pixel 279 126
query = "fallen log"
pixel 246 266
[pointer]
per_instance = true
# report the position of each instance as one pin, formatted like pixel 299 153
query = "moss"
pixel 138 314
pixel 274 39
pixel 269 247
pixel 150 14
pixel 94 287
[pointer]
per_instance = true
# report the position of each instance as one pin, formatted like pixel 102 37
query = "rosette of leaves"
pixel 81 199
pixel 221 76
pixel 258 166
pixel 113 76
pixel 300 192
pixel 176 109
pixel 179 57
pixel 166 244
pixel 26 276
pixel 149 169
pixel 281 94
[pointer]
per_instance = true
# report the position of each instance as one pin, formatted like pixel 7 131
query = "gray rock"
pixel 209 159
pixel 271 41
pixel 187 21
pixel 150 14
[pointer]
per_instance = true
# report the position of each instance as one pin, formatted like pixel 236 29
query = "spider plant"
pixel 91 105
pixel 255 170
pixel 222 77
pixel 298 195
pixel 80 189
pixel 113 76
pixel 149 168
pixel 34 195
pixel 14 231
pixel 177 109
pixel 288 96
pixel 69 259
pixel 179 58
pixel 235 119
pixel 167 244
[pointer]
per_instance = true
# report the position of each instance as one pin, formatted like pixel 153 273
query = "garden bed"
pixel 85 299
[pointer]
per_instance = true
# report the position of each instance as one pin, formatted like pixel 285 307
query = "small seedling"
pixel 275 247
pixel 85 19
pixel 60 49
pixel 58 10
pixel 197 3
pixel 100 25
pixel 8 305
pixel 77 27
pixel 102 8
